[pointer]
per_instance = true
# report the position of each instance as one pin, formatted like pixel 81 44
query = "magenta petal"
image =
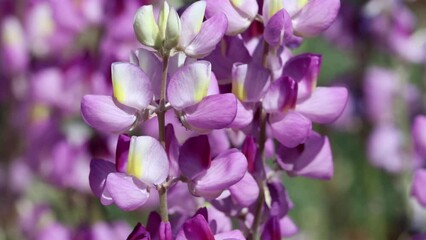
pixel 197 228
pixel 325 105
pixel 213 112
pixel 249 149
pixel 419 135
pixel 231 235
pixel 122 152
pixel 418 189
pixel 139 233
pixel 226 169
pixel 281 95
pixel 99 170
pixel 272 229
pixel 304 68
pixel 127 192
pixel 316 17
pixel 172 150
pixel 290 130
pixel 313 159
pixel 246 191
pixel 194 156
pixel 102 113
pixel 210 34
pixel 278 28
pixel 280 201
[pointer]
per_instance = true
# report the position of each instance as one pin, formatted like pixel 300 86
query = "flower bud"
pixel 145 27
pixel 163 20
pixel 173 29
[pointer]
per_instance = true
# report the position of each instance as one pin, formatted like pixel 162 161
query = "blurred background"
pixel 54 52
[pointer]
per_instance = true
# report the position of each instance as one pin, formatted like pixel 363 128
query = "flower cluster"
pixel 211 95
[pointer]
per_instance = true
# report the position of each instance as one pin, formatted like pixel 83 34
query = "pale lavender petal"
pixel 147 160
pixel 288 227
pixel 218 220
pixel 244 116
pixel 281 95
pixel 246 191
pixel 194 156
pixel 210 34
pixel 214 86
pixel 304 68
pixel 313 159
pixel 102 113
pixel 131 85
pixel 419 134
pixel 213 112
pixel 325 105
pixel 127 192
pixel 99 170
pixel 191 22
pixel 315 17
pixel 152 66
pixel 385 148
pixel 226 169
pixel 189 85
pixel 122 153
pixel 239 15
pixel 290 130
pixel 231 235
pixel 219 141
pixel 249 81
pixel 418 189
pixel 278 28
pixel 380 87
pixel 14 50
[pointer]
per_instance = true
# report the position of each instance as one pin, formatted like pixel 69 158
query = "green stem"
pixel 162 190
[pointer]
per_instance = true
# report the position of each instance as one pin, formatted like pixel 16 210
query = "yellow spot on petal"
pixel 134 162
pixel 201 92
pixel 275 6
pixel 237 3
pixel 239 91
pixel 302 3
pixel 119 93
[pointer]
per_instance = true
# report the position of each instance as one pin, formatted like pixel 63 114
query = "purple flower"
pixel 312 159
pixel 193 94
pixel 118 113
pixel 146 167
pixel 197 228
pixel 210 177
